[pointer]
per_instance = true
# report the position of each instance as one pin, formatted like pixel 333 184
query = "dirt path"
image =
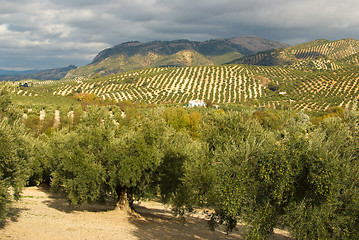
pixel 41 215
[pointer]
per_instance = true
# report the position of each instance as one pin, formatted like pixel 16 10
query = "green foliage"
pixel 7 109
pixel 33 124
pixel 40 160
pixel 266 168
pixel 75 160
pixel 75 167
pixel 181 120
pixel 130 115
pixel 267 119
pixel 329 210
pixel 131 79
pixel 13 164
pixel 14 154
pixel 303 178
pixel 182 160
pixel 5 101
pixel 133 158
pixel 273 87
pixel 96 76
pixel 238 157
pixel 97 159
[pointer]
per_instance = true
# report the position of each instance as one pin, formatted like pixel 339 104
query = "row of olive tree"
pixel 113 157
pixel 268 169
pixel 243 164
pixel 299 176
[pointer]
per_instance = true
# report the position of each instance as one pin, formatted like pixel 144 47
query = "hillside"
pixel 134 55
pixel 49 74
pixel 352 59
pixel 184 58
pixel 311 85
pixel 333 50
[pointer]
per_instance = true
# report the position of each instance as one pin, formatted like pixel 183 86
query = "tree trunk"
pixel 124 198
pixel 130 198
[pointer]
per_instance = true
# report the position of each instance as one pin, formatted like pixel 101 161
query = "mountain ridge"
pixel 4 72
pixel 48 74
pixel 207 48
pixel 133 55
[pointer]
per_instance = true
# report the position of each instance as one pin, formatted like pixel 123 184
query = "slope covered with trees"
pixel 333 50
pixel 307 85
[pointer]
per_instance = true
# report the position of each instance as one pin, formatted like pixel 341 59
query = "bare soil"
pixel 42 215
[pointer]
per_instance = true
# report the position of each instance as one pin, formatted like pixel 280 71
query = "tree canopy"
pixel 262 167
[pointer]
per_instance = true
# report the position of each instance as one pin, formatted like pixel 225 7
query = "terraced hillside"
pixel 222 84
pixel 317 64
pixel 313 85
pixel 333 50
pixel 352 59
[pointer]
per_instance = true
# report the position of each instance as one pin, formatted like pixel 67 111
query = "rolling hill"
pixel 319 75
pixel 332 50
pixel 259 86
pixel 135 55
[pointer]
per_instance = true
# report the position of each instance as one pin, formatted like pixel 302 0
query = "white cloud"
pixel 4 30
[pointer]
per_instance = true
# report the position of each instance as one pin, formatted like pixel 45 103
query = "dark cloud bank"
pixel 45 34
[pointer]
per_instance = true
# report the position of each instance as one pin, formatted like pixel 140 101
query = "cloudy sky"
pixel 41 34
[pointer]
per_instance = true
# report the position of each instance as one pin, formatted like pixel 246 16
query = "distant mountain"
pixel 255 44
pixel 4 72
pixel 49 74
pixel 341 50
pixel 134 55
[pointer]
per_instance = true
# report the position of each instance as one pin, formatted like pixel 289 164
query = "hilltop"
pixel 135 55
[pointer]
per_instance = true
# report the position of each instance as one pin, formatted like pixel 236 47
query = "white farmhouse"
pixel 196 103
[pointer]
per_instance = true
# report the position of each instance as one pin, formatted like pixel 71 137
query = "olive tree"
pixel 327 206
pixel 14 154
pixel 302 177
pixel 100 159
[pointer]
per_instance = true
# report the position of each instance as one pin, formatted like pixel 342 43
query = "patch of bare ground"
pixel 42 215
pixel 263 81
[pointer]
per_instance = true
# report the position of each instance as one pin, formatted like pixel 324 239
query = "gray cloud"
pixel 46 34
